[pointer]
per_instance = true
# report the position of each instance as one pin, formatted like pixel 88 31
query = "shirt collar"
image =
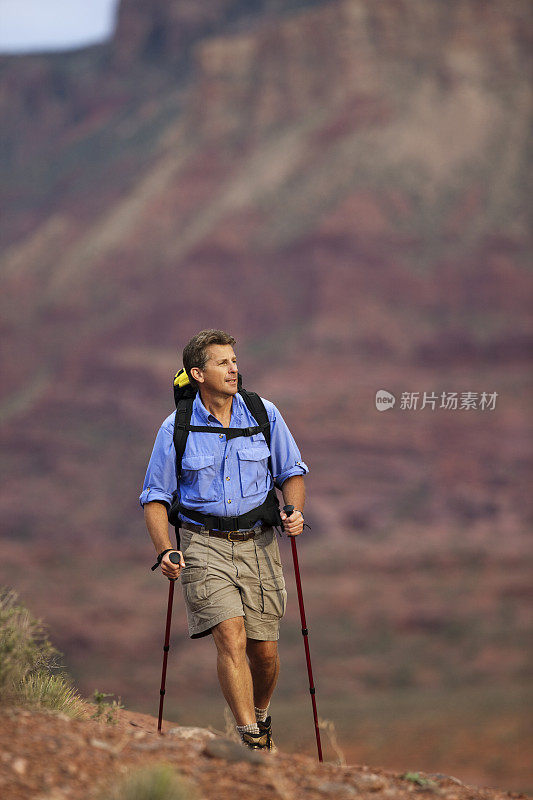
pixel 208 419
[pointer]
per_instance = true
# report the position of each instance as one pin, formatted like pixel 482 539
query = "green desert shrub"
pixel 159 782
pixel 105 710
pixel 29 670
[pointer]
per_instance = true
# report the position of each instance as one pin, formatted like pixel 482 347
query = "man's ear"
pixel 197 374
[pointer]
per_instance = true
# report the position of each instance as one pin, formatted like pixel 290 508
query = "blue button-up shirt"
pixel 219 477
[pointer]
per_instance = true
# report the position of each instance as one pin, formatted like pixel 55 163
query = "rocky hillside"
pixel 50 756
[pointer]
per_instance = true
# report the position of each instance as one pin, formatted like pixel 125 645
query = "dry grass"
pixel 328 726
pixel 230 731
pixel 29 671
pixel 52 691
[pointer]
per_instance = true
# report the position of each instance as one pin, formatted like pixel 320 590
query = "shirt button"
pixel 229 501
pixel 227 479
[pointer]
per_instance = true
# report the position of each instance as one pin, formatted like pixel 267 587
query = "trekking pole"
pixel 289 510
pixel 174 557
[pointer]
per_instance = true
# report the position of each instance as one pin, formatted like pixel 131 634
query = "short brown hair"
pixel 195 351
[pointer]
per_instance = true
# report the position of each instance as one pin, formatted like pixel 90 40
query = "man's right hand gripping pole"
pixel 171 569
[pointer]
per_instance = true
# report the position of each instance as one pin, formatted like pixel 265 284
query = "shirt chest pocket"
pixel 253 469
pixel 198 477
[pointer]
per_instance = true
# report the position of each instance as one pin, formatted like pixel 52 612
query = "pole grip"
pixel 288 510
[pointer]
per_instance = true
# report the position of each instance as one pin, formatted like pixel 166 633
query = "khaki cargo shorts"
pixel 224 579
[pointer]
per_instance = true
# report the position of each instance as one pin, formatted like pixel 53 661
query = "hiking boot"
pixel 256 741
pixel 266 728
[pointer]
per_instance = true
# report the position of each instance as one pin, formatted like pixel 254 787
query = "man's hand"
pixel 294 524
pixel 172 571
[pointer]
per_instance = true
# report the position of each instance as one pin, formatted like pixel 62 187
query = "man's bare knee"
pixel 261 653
pixel 230 638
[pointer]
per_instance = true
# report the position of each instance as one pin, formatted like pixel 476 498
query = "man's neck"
pixel 219 406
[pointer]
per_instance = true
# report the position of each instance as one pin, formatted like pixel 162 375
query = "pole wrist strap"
pixel 302 513
pixel 160 557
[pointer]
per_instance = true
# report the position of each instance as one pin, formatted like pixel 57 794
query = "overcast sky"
pixel 37 25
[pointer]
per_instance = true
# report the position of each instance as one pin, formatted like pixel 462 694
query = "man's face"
pixel 220 372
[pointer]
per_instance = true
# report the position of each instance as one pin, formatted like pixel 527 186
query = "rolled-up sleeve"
pixel 160 479
pixel 286 457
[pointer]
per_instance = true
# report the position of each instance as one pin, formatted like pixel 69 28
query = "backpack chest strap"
pixel 231 433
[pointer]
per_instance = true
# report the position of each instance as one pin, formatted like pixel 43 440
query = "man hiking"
pixel 225 507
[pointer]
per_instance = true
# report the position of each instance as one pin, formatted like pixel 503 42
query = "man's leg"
pixel 264 666
pixel 233 670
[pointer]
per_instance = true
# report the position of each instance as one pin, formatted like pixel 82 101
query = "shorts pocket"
pixel 277 555
pixel 274 597
pixel 198 477
pixel 268 554
pixel 253 469
pixel 194 582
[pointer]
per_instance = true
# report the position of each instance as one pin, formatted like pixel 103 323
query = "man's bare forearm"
pixel 294 492
pixel 155 516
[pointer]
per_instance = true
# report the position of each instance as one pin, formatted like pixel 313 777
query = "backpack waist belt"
pixel 268 512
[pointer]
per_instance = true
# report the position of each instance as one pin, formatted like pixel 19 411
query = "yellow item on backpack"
pixel 181 378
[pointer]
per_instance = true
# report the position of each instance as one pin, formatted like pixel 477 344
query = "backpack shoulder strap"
pixel 181 429
pixel 257 409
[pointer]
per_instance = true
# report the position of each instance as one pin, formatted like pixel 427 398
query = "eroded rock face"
pixel 338 163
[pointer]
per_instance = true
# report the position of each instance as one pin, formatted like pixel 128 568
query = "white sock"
pixel 251 728
pixel 261 713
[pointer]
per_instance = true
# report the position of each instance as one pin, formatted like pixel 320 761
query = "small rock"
pixel 102 745
pixel 441 777
pixel 232 751
pixel 190 733
pixel 20 765
pixel 371 782
pixel 139 734
pixel 340 790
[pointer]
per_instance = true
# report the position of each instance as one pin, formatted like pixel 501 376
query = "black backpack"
pixel 184 394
